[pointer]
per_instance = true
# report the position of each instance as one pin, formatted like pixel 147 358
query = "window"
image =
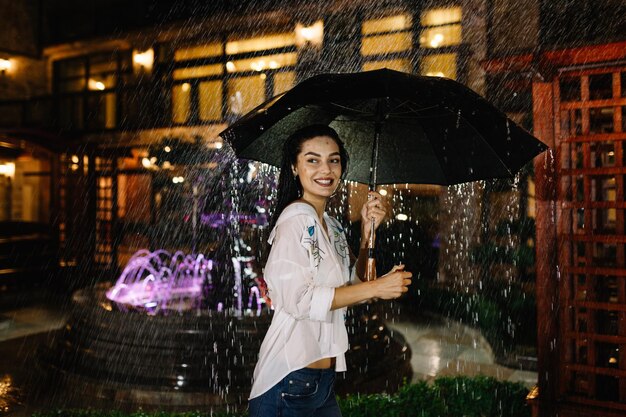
pixel 87 89
pixel 387 42
pixel 197 88
pixel 439 38
pixel 259 68
pixel 219 79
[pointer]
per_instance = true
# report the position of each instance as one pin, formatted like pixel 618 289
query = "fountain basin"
pixel 108 358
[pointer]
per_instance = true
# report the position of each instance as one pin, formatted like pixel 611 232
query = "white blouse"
pixel 304 267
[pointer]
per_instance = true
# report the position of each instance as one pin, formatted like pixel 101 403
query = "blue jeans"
pixel 303 393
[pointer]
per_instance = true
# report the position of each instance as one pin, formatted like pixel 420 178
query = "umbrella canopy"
pixel 413 129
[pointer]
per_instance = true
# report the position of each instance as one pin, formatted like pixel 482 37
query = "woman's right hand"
pixel 393 284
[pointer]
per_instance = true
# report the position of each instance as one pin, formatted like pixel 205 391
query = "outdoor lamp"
pixel 7 169
pixel 313 34
pixel 5 65
pixel 143 60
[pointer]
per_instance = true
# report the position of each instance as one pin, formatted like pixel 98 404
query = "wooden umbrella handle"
pixel 370 267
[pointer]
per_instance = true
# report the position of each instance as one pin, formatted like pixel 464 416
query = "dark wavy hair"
pixel 289 187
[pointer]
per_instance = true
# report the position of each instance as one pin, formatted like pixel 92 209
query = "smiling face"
pixel 318 168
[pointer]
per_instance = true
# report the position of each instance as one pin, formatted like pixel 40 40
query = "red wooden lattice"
pixel 590 134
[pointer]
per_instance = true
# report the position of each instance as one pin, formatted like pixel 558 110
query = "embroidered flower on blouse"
pixel 311 242
pixel 341 245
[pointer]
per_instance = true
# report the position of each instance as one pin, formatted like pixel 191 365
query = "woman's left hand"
pixel 376 208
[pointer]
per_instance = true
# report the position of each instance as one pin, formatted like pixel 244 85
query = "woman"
pixel 308 278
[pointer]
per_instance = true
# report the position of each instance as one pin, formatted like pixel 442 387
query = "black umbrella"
pixel 397 128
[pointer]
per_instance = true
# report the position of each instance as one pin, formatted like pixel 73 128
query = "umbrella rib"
pixel 351 109
pixel 412 110
pixel 416 111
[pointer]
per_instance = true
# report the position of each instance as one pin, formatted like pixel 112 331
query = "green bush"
pixel 372 405
pixel 115 413
pixel 420 400
pixel 481 397
pixel 446 397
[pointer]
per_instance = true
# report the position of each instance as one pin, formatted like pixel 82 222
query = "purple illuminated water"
pixel 159 282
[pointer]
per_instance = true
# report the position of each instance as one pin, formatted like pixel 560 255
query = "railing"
pixel 36 112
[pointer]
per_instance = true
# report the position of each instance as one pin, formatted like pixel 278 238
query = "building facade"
pixel 112 89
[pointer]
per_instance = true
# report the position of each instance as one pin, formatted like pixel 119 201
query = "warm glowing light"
pixel 230 66
pixel 5 65
pixel 146 162
pixel 145 59
pixel 383 192
pixel 218 145
pixel 402 217
pixel 96 85
pixel 612 360
pixel 436 40
pixel 258 65
pixel 273 64
pixel 263 76
pixel 7 169
pixel 167 165
pixel 167 149
pixel 313 34
pixel 178 180
pixel 6 387
pixel 75 159
pixel 186 87
pixel 435 74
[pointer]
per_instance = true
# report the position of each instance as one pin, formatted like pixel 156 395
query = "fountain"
pixel 182 331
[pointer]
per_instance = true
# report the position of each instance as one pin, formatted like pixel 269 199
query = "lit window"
pixel 198 72
pixel 441 28
pixel 439 65
pixel 386 24
pixel 283 81
pixel 256 67
pixel 262 63
pixel 441 17
pixel 181 99
pixel 440 36
pixel 210 98
pixel 261 43
pixel 197 52
pixel 386 42
pixel 245 93
pixel 251 78
pixel 403 65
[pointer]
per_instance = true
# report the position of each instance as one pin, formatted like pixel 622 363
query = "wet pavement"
pixel 439 348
